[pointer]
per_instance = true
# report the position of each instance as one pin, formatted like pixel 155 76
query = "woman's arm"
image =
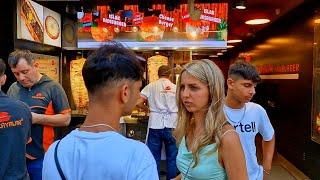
pixel 232 154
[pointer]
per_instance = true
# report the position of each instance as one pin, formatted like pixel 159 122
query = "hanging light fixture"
pixel 234 41
pixel 257 17
pixel 258 21
pixel 240 4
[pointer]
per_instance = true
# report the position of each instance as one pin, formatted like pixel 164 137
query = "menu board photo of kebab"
pixel 30 21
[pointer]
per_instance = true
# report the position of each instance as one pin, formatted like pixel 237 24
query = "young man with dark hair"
pixel 96 150
pixel 161 99
pixel 249 118
pixel 15 130
pixel 48 103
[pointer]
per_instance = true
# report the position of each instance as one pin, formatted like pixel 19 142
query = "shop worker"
pixel 161 98
pixel 48 103
pixel 249 118
pixel 96 150
pixel 15 130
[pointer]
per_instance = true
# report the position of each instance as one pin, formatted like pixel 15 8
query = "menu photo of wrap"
pixel 30 21
pixel 38 24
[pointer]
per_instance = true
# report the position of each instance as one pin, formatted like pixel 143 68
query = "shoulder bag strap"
pixel 57 162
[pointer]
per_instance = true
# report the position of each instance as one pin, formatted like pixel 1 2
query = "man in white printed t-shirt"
pixel 249 118
pixel 161 98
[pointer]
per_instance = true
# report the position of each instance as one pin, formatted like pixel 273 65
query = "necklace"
pixel 96 125
pixel 244 113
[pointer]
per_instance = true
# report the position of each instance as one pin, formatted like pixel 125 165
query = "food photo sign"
pixel 30 21
pixel 209 25
pixel 52 27
pixel 48 65
pixel 38 24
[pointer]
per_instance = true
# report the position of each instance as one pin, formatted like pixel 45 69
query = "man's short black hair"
pixel 16 55
pixel 2 67
pixel 110 64
pixel 244 70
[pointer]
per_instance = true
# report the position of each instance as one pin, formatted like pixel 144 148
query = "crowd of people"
pixel 207 133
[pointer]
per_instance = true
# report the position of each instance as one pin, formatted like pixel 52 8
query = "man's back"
pixel 104 155
pixel 161 96
pixel 15 125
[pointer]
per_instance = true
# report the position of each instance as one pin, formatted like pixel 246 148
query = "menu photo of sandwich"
pixel 30 18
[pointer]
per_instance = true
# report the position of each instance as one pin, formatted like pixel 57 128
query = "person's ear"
pixel 125 93
pixel 3 79
pixel 230 83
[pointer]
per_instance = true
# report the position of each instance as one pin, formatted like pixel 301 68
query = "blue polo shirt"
pixel 45 97
pixel 15 130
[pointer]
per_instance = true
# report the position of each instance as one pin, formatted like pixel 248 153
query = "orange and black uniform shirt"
pixel 45 97
pixel 15 130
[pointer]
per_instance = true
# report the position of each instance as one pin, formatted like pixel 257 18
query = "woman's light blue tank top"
pixel 207 168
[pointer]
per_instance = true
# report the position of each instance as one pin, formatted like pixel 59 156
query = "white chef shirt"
pixel 161 96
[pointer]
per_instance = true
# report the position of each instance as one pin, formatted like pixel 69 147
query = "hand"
pixel 37 118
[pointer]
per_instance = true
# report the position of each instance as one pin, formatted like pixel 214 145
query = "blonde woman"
pixel 209 147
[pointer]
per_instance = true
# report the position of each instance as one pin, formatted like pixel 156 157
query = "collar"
pixel 43 79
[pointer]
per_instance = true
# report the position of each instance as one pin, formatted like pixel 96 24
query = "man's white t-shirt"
pixel 104 155
pixel 161 96
pixel 248 121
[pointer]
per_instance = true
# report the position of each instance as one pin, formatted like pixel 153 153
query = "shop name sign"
pixel 114 20
pixel 165 20
pixel 279 69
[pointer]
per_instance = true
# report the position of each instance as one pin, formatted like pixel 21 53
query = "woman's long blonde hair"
pixel 209 73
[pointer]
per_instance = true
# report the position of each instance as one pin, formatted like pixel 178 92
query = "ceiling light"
pixel 135 48
pixel 193 34
pixel 134 29
pixel 317 21
pixel 219 54
pixel 264 46
pixel 240 4
pixel 156 48
pixel 230 46
pixel 213 56
pixel 224 50
pixel 116 30
pixel 257 21
pixel 175 29
pixel 234 41
pixel 155 29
